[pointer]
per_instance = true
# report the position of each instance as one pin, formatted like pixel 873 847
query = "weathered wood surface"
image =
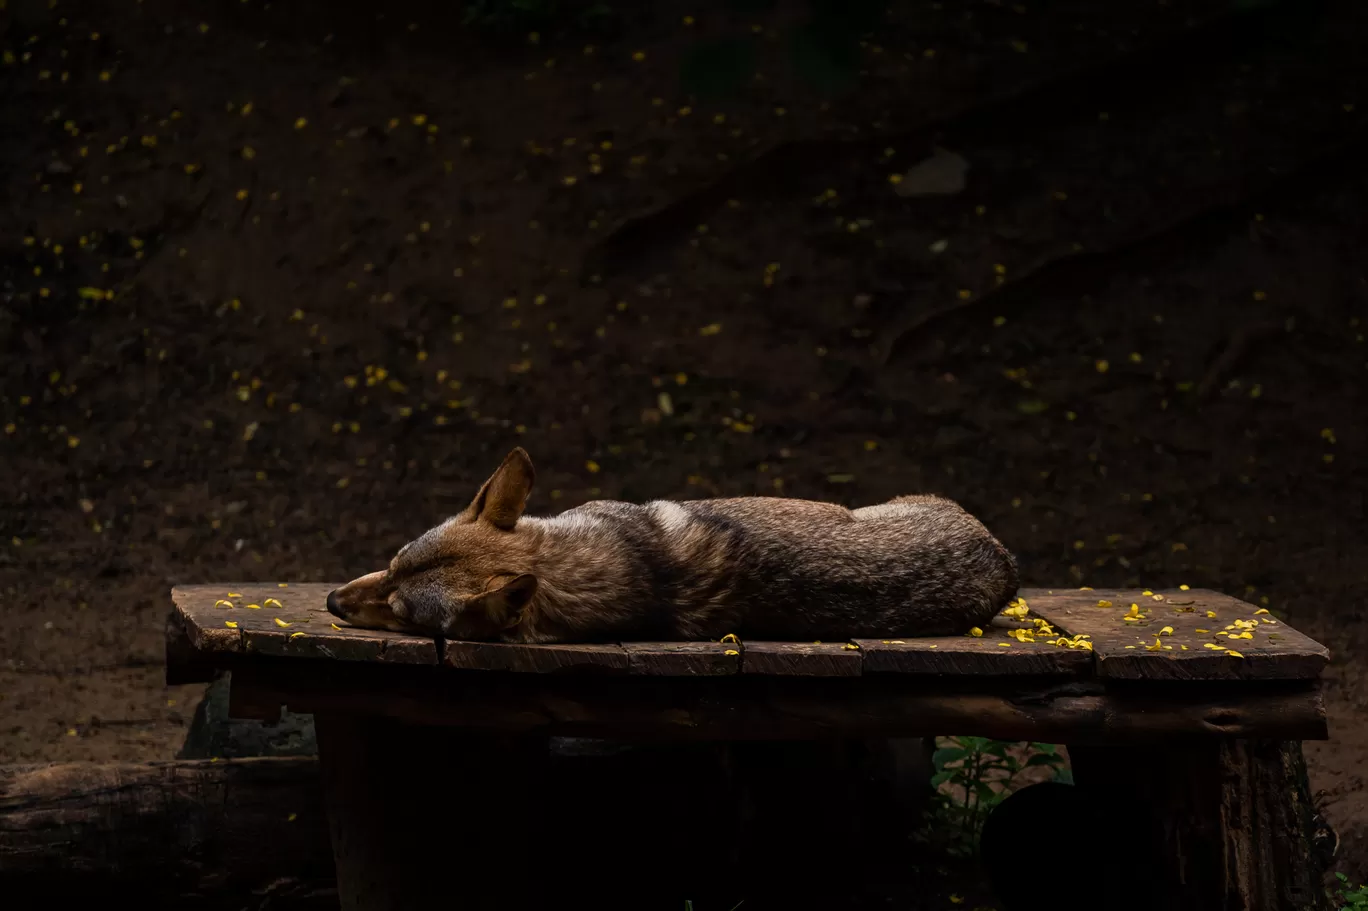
pixel 1226 825
pixel 743 707
pixel 1171 635
pixel 802 659
pixel 191 829
pixel 1181 635
pixel 992 654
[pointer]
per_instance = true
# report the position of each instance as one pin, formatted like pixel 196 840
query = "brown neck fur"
pixel 579 585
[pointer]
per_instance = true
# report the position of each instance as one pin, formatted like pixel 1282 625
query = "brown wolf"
pixel 759 567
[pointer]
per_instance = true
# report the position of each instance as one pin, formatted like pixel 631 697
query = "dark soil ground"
pixel 282 282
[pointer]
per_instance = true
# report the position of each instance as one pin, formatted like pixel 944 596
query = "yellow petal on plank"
pixel 731 651
pixel 1231 651
pixel 272 602
pixel 730 637
pixel 254 607
pixel 336 627
pixel 235 594
pixel 279 622
pixel 231 624
pixel 851 646
pixel 1168 630
pixel 222 603
pixel 295 635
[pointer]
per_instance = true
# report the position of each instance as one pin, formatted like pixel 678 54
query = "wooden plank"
pixel 801 659
pixel 535 659
pixel 749 707
pixel 682 659
pixel 1181 635
pixel 289 621
pixel 220 624
pixel 995 653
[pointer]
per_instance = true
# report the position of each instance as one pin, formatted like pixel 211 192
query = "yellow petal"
pixel 279 622
pixel 336 627
pixel 1168 630
pixel 295 635
pixel 272 602
pixel 1231 651
pixel 731 651
pixel 222 603
pixel 1104 603
pixel 235 594
pixel 975 632
pixel 254 607
pixel 231 624
pixel 730 637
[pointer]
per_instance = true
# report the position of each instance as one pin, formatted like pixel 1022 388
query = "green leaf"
pixel 1048 748
pixel 718 69
pixel 984 793
pixel 941 778
pixel 945 755
pixel 996 748
pixel 1040 759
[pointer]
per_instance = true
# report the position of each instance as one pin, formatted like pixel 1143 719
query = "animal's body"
pixel 759 567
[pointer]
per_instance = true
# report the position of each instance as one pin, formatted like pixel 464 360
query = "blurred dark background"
pixel 281 282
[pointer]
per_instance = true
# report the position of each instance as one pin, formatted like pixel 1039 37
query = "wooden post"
pixel 1225 825
pixel 426 817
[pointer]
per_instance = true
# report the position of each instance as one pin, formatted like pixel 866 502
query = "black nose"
pixel 332 603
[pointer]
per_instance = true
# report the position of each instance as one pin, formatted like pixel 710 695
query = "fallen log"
pixel 236 833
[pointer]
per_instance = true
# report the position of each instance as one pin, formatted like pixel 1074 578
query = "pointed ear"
pixel 504 602
pixel 501 500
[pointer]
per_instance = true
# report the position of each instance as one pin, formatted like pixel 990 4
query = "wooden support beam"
pixel 1226 825
pixel 744 707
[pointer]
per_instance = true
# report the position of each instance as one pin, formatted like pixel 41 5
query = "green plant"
pixel 972 775
pixel 1352 898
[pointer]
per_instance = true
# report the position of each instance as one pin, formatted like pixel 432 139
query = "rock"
pixel 943 174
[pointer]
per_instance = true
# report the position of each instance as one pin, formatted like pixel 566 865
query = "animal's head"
pixel 468 578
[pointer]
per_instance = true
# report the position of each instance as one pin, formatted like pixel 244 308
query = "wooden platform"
pixel 1182 712
pixel 1107 664
pixel 1159 635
